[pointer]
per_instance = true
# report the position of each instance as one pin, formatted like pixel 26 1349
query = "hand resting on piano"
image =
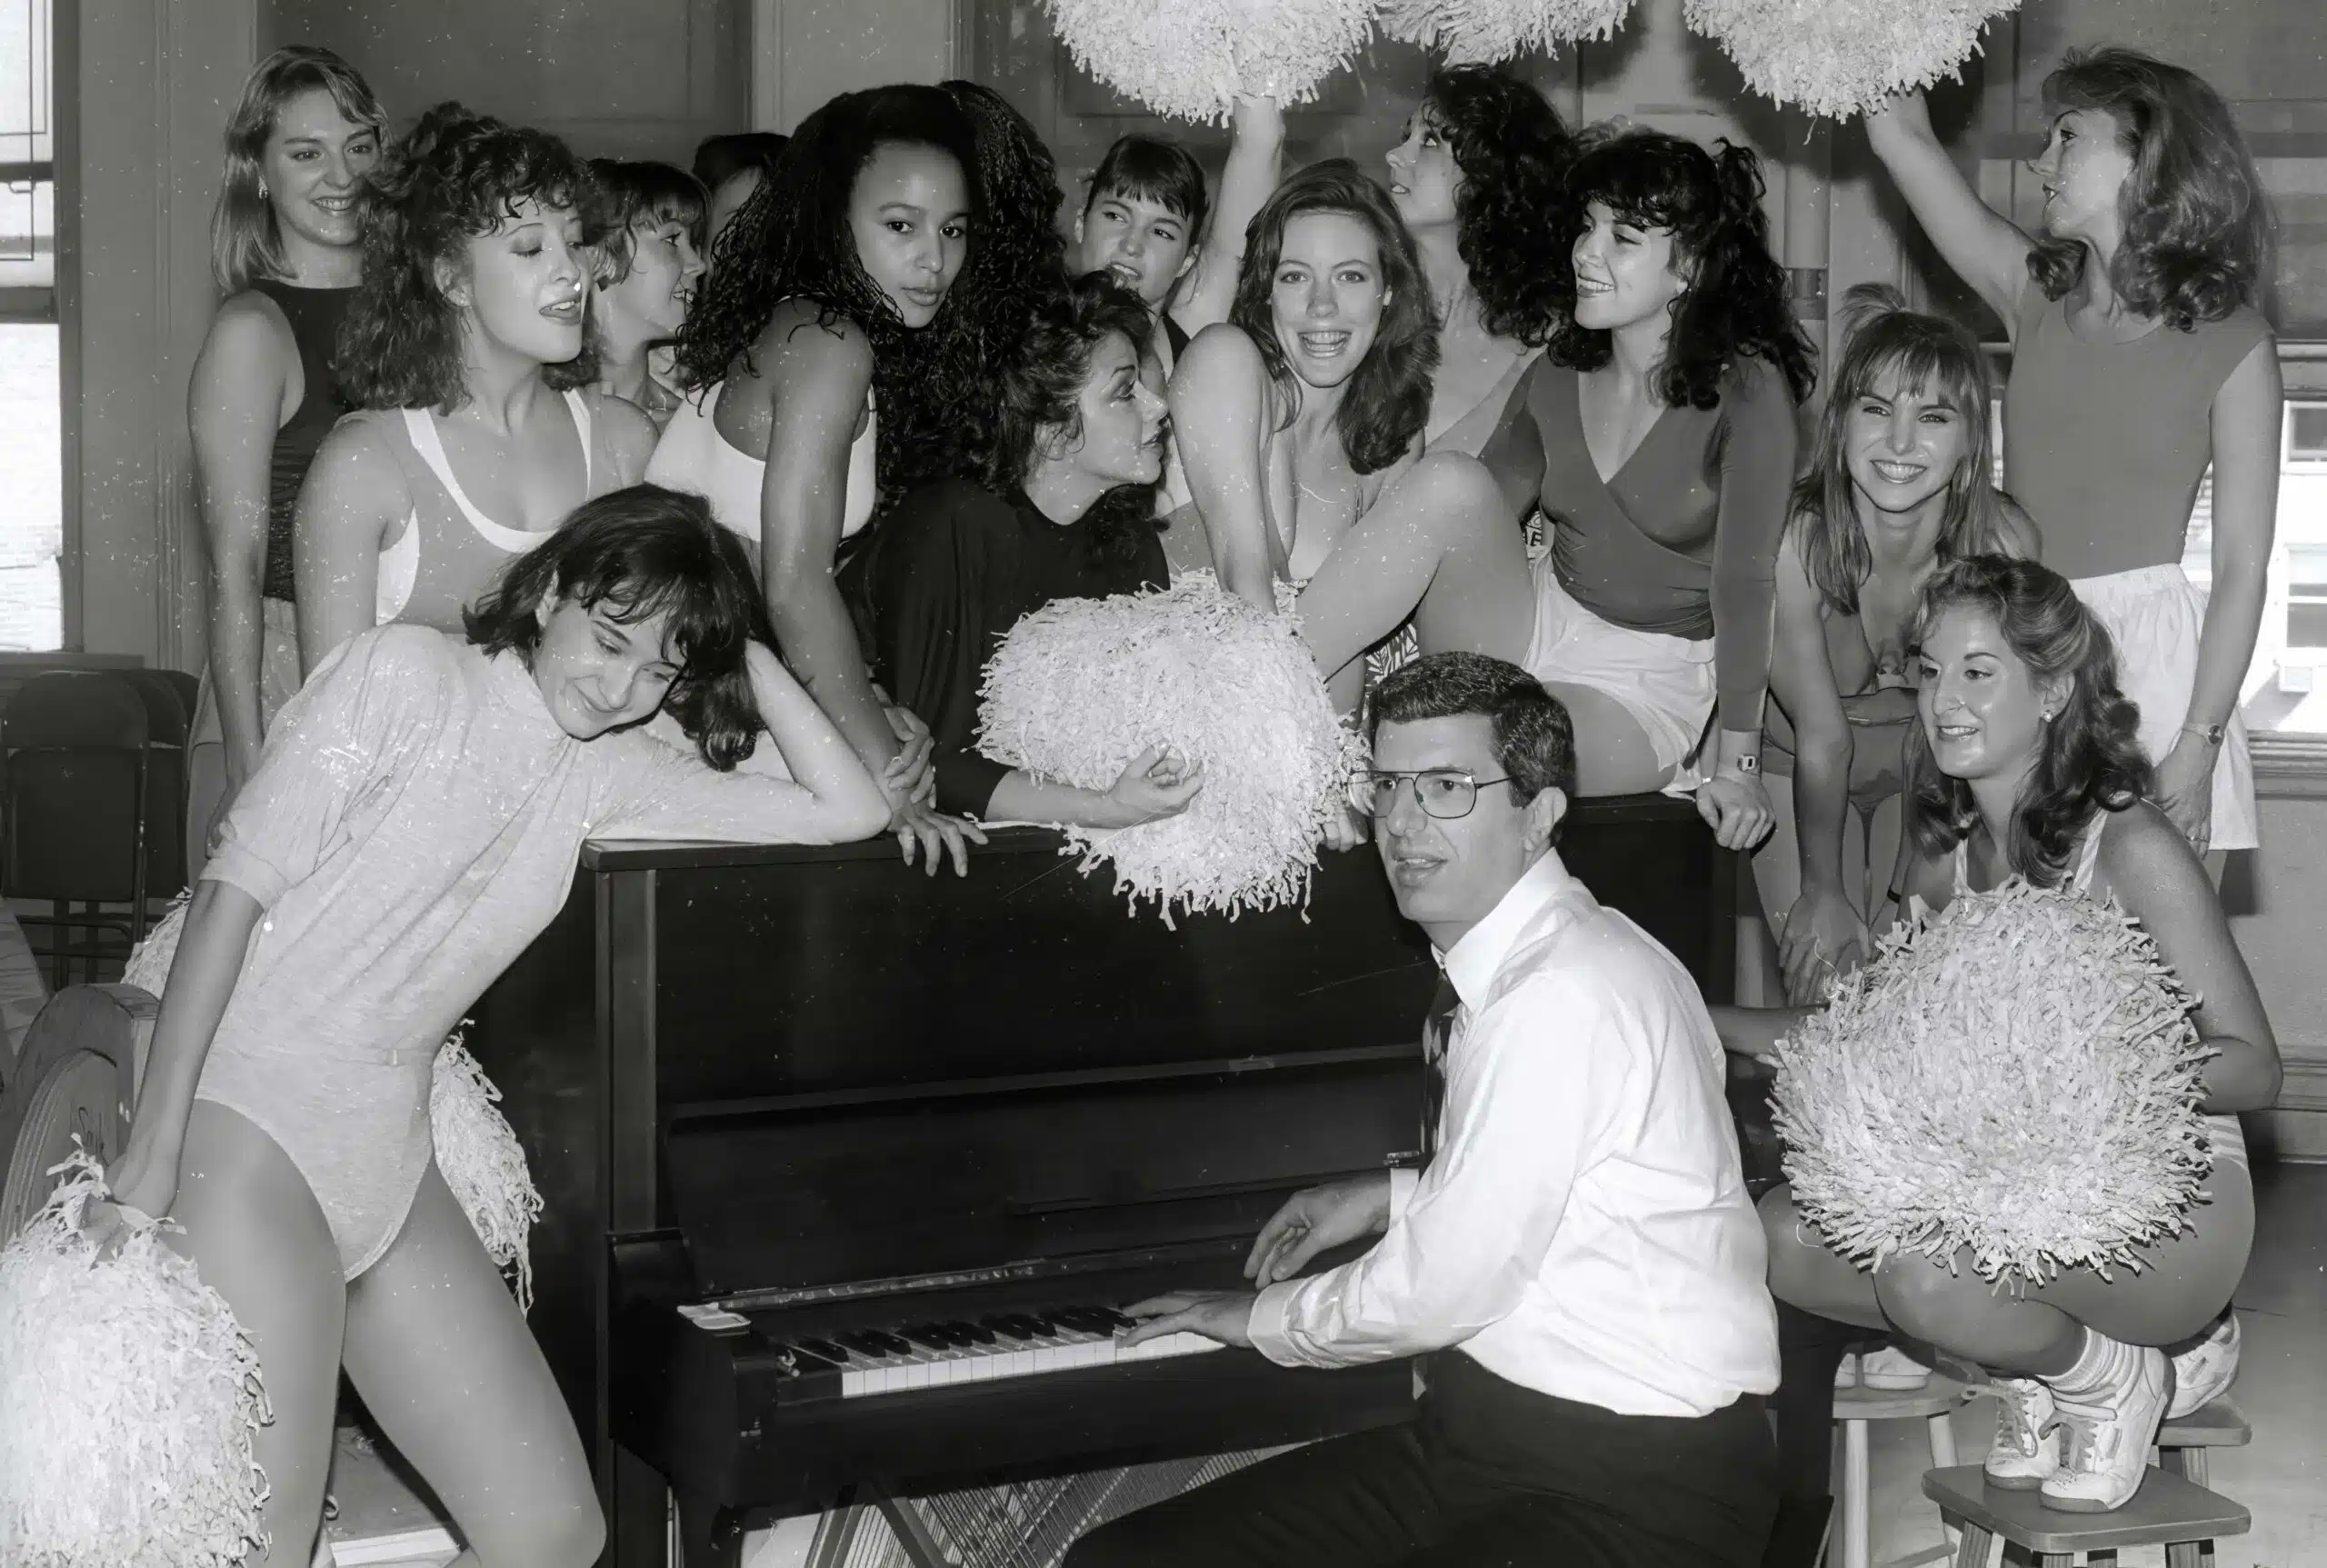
pixel 1310 1222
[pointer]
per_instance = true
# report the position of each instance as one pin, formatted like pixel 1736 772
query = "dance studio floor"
pixel 2282 1386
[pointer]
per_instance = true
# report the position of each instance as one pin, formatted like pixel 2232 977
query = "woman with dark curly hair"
pixel 2026 762
pixel 1477 181
pixel 819 296
pixel 464 353
pixel 1065 510
pixel 412 826
pixel 286 250
pixel 2138 359
pixel 1659 439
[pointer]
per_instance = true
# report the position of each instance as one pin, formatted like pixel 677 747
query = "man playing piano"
pixel 1576 1263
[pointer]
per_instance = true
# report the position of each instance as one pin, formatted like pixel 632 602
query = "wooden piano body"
pixel 736 1067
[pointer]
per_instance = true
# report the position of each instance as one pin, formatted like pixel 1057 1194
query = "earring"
pixel 261 190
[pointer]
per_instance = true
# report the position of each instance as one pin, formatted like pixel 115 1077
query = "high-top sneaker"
pixel 2203 1373
pixel 1846 1371
pixel 2027 1450
pixel 1892 1368
pixel 2109 1405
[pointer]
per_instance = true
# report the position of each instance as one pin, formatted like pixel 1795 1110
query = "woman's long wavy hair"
pixel 1927 354
pixel 2197 221
pixel 1512 151
pixel 639 551
pixel 1388 400
pixel 1038 398
pixel 790 240
pixel 457 176
pixel 2089 756
pixel 245 238
pixel 1735 306
pixel 1018 261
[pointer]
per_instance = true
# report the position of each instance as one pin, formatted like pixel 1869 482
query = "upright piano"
pixel 848 1169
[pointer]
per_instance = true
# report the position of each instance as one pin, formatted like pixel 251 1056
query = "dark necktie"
pixel 1438 1036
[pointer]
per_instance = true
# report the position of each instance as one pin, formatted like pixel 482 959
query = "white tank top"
pixel 400 561
pixel 693 455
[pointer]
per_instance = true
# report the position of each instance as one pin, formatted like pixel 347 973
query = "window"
pixel 32 483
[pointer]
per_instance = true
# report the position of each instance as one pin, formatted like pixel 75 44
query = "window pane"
pixel 31 516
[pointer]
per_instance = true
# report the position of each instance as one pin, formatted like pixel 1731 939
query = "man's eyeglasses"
pixel 1446 793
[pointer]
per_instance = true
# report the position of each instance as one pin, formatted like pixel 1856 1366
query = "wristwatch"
pixel 1748 764
pixel 2210 734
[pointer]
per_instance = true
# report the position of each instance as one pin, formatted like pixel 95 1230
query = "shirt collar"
pixel 1472 962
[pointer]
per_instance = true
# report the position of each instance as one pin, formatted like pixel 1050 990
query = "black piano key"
pixel 972 1333
pixel 1116 1320
pixel 1082 1319
pixel 826 1348
pixel 1043 1326
pixel 927 1337
pixel 1010 1327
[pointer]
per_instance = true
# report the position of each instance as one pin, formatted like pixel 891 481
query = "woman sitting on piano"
pixel 1065 510
pixel 411 827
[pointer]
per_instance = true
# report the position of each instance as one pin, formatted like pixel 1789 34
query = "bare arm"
pixel 1156 783
pixel 2163 884
pixel 352 505
pixel 1755 1031
pixel 1256 154
pixel 816 379
pixel 2246 418
pixel 1220 407
pixel 234 407
pixel 1985 251
pixel 1822 932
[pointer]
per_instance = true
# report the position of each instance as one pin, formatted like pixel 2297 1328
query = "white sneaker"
pixel 2107 1426
pixel 1892 1368
pixel 2027 1446
pixel 2203 1373
pixel 1846 1374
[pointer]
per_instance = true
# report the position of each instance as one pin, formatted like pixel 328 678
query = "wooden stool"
pixel 2181 1514
pixel 2182 1445
pixel 1934 1402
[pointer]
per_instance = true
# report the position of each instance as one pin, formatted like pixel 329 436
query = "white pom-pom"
pixel 1842 57
pixel 1190 59
pixel 148 968
pixel 1488 31
pixel 2016 1076
pixel 1082 687
pixel 128 1394
pixel 483 1163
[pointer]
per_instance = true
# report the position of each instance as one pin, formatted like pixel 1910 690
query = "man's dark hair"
pixel 1534 744
pixel 1154 170
pixel 718 159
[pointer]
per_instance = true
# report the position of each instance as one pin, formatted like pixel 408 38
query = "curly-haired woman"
pixel 1065 510
pixel 287 250
pixel 2026 762
pixel 1659 438
pixel 411 827
pixel 652 220
pixel 846 254
pixel 2138 359
pixel 1477 180
pixel 471 318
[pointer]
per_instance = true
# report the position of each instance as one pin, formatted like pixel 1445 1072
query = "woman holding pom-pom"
pixel 2026 764
pixel 412 826
pixel 1898 488
pixel 2138 358
pixel 1065 510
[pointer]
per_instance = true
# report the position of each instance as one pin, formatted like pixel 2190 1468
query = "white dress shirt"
pixel 1582 1229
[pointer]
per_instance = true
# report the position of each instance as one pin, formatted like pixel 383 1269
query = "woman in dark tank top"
pixel 283 250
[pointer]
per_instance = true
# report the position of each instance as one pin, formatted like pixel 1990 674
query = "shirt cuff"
pixel 238 868
pixel 1270 1323
pixel 1404 1180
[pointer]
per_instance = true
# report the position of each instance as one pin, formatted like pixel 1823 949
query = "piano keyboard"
pixel 864 1362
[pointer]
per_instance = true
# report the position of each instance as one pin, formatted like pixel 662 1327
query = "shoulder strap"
pixel 579 407
pixel 2088 854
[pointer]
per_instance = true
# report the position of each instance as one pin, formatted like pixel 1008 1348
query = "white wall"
pixel 805 52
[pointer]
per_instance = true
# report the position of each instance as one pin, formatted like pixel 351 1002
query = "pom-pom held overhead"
pixel 1489 32
pixel 1190 59
pixel 2017 1076
pixel 1082 687
pixel 1842 57
pixel 128 1394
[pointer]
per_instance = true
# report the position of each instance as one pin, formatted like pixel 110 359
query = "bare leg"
pixel 255 1231
pixel 1805 1273
pixel 1613 755
pixel 1777 865
pixel 445 1364
pixel 1439 545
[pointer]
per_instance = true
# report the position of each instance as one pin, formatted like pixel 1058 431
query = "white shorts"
pixel 2155 615
pixel 1665 683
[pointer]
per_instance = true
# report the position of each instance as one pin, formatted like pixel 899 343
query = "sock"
pixel 2097 1366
